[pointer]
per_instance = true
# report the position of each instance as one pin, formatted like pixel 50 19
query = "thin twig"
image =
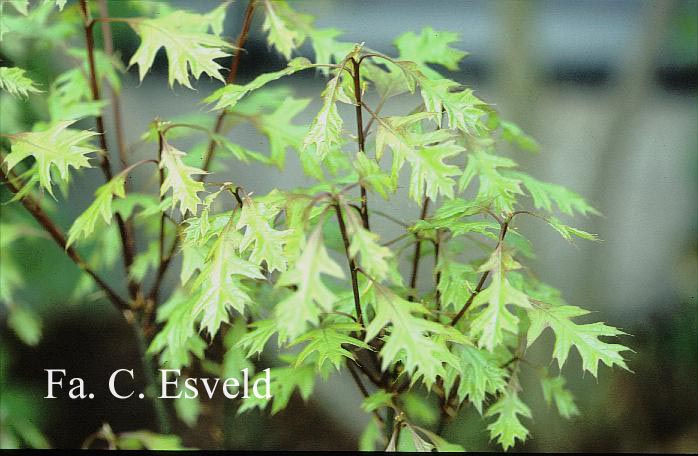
pixel 33 207
pixel 242 38
pixel 352 268
pixel 360 135
pixel 126 235
pixel 417 254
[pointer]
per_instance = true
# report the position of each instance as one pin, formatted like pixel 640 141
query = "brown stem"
pixel 360 136
pixel 126 235
pixel 437 279
pixel 33 207
pixel 161 271
pixel 115 98
pixel 352 268
pixel 417 254
pixel 242 38
pixel 481 283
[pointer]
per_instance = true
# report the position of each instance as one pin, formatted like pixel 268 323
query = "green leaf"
pixel 268 243
pixel 513 134
pixel 430 46
pixel 567 232
pixel 494 186
pixel 479 374
pixel 25 324
pixel 284 381
pixel 311 295
pixel 177 339
pixel 365 248
pixel 329 343
pixel 464 110
pixel 229 95
pixel 187 409
pixel 507 428
pixel 283 134
pixel 189 48
pixel 554 390
pixel 220 282
pixel 13 81
pixel 545 194
pixel 409 340
pixel 326 129
pixel 147 440
pixel 254 341
pixel 179 179
pixel 57 146
pixel 288 29
pixel 425 152
pixel 377 400
pixel 281 33
pixel 372 176
pixel 585 336
pixel 491 322
pixel 371 436
pixel 84 225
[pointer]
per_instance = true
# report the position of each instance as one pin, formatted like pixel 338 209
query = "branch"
pixel 126 234
pixel 33 207
pixel 242 38
pixel 417 253
pixel 352 267
pixel 360 135
pixel 481 283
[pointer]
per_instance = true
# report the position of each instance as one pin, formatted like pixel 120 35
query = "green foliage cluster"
pixel 258 270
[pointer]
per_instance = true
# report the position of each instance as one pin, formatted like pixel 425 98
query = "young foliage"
pixel 189 47
pixel 304 279
pixel 13 81
pixel 56 146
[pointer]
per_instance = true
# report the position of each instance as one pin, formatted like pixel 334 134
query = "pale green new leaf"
pixel 585 337
pixel 479 375
pixel 189 48
pixel 13 81
pixel 494 186
pixel 283 134
pixel 409 339
pixel 267 243
pixel 329 343
pixel 430 46
pixel 229 95
pixel 326 128
pixel 58 146
pixel 554 390
pixel 26 324
pixel 177 340
pixel 311 295
pixel 507 428
pixel 377 400
pixel 284 381
pixel 220 282
pixel 282 33
pixel 567 232
pixel 254 341
pixel 84 225
pixel 372 176
pixel 495 318
pixel 425 152
pixel 364 247
pixel 545 194
pixel 178 178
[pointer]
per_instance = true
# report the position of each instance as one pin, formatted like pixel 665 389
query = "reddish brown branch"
pixel 33 207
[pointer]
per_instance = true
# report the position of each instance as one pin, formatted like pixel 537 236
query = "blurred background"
pixel 608 89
